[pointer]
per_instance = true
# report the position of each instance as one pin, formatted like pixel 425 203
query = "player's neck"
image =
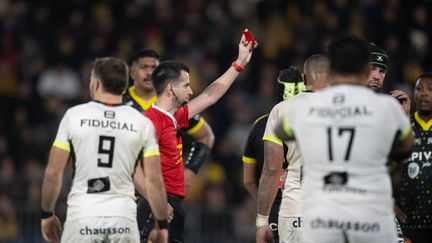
pixel 166 103
pixel 108 98
pixel 144 94
pixel 425 116
pixel 317 84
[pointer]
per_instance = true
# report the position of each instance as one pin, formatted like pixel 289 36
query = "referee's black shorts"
pixel 176 226
pixel 146 221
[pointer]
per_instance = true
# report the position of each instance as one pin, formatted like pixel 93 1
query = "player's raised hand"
pixel 245 50
pixel 404 100
pixel 51 229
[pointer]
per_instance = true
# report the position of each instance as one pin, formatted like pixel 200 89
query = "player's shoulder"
pixel 80 108
pixel 261 119
pixel 292 102
pixel 387 100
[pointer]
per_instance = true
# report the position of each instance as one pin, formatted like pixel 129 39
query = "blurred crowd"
pixel 47 47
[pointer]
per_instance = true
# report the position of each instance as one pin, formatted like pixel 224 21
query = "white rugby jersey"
pixel 345 134
pixel 105 142
pixel 291 192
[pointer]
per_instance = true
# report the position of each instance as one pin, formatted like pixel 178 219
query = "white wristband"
pixel 262 220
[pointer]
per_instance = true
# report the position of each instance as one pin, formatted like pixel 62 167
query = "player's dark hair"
pixel 349 54
pixel 141 54
pixel 167 72
pixel 425 75
pixel 317 63
pixel 288 75
pixel 113 73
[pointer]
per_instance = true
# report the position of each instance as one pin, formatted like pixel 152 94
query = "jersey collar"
pixel 108 104
pixel 168 114
pixel 141 102
pixel 423 124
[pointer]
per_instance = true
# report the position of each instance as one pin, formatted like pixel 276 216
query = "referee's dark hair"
pixel 167 72
pixel 141 54
pixel 349 54
pixel 113 73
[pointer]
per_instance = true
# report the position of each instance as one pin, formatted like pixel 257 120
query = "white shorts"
pixel 290 229
pixel 333 222
pixel 101 229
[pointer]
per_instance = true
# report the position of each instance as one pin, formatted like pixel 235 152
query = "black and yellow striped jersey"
pixel 254 149
pixel 415 196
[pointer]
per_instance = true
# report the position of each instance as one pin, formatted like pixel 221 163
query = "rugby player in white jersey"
pixel 346 133
pixel 105 140
pixel 315 77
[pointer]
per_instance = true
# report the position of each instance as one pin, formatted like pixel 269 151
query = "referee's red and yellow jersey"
pixel 167 128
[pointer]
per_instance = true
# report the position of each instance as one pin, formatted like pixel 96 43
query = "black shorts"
pixel 146 221
pixel 273 219
pixel 176 226
pixel 145 218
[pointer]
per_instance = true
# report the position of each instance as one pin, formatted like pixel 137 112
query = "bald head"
pixel 315 72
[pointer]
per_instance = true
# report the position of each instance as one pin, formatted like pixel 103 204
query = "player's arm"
pixel 204 138
pixel 51 186
pixel 155 188
pixel 400 152
pixel 268 186
pixel 138 179
pixel 215 90
pixel 52 182
pixel 249 181
pixel 403 143
pixel 154 184
pixel 250 162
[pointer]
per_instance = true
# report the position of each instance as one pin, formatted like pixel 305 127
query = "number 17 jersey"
pixel 345 134
pixel 105 143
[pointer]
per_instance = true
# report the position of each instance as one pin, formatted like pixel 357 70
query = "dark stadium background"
pixel 46 50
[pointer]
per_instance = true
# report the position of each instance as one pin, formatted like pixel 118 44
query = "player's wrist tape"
pixel 163 224
pixel 45 214
pixel 197 156
pixel 262 220
pixel 237 67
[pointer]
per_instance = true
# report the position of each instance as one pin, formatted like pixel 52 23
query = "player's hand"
pixel 162 236
pixel 245 51
pixel 264 235
pixel 407 240
pixel 404 99
pixel 400 215
pixel 51 229
pixel 170 213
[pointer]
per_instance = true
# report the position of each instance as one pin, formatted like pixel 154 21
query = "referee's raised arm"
pixel 217 89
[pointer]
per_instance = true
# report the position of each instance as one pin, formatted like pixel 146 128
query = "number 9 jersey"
pixel 105 142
